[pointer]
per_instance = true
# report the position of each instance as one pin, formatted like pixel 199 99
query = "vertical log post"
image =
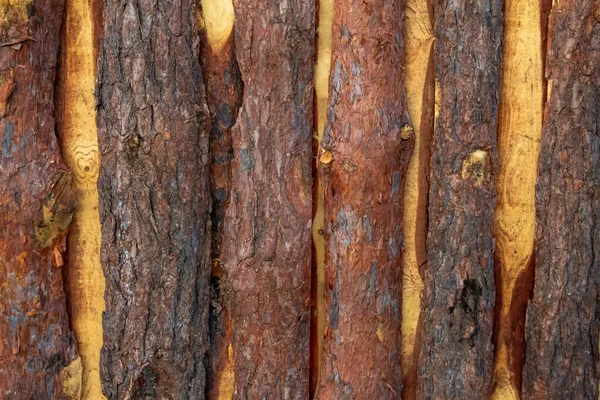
pixel 367 145
pixel 562 327
pixel 266 248
pixel 37 200
pixel 456 354
pixel 155 201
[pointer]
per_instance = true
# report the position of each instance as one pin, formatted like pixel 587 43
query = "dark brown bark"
pixel 36 205
pixel 367 145
pixel 224 89
pixel 154 196
pixel 456 358
pixel 266 248
pixel 562 360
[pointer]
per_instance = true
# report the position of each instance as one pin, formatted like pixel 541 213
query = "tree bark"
pixel 266 249
pixel 562 360
pixel 36 205
pixel 155 201
pixel 456 355
pixel 367 145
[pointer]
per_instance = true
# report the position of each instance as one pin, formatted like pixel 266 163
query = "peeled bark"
pixel 456 355
pixel 36 205
pixel 366 149
pixel 266 248
pixel 154 201
pixel 562 360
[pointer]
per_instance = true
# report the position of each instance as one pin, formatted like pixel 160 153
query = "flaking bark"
pixel 36 205
pixel 456 357
pixel 562 360
pixel 266 249
pixel 155 201
pixel 366 149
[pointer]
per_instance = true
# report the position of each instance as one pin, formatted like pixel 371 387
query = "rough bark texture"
pixel 562 360
pixel 152 123
pixel 224 90
pixel 368 142
pixel 36 205
pixel 456 358
pixel 266 248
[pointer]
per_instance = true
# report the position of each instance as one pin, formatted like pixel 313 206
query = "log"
pixel 456 353
pixel 366 146
pixel 266 247
pixel 561 332
pixel 37 201
pixel 153 128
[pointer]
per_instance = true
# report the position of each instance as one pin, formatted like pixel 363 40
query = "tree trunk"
pixel 266 249
pixel 562 359
pixel 155 201
pixel 366 149
pixel 456 354
pixel 36 205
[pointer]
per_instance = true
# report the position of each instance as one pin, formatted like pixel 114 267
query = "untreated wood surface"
pixel 456 354
pixel 366 147
pixel 562 360
pixel 155 200
pixel 36 205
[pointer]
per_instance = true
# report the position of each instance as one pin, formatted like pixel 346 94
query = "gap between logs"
pixel 519 134
pixel 322 71
pixel 78 136
pixel 224 94
pixel 420 98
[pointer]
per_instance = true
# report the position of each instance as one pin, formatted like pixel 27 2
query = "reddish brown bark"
pixel 562 359
pixel 367 145
pixel 224 90
pixel 36 205
pixel 456 357
pixel 266 248
pixel 155 201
